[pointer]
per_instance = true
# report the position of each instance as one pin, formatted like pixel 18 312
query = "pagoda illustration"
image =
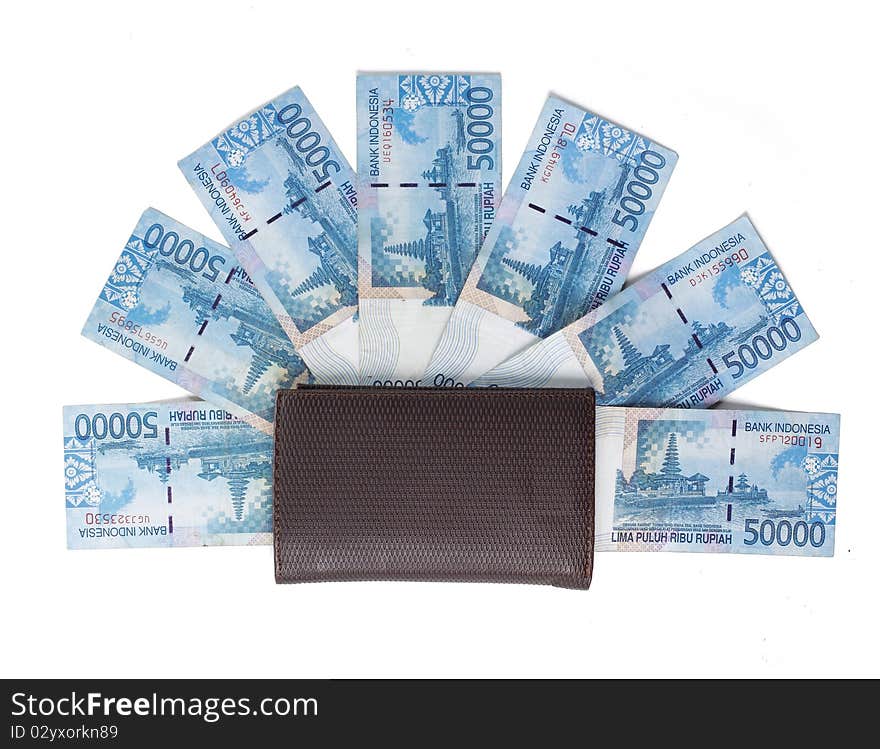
pixel 239 465
pixel 267 350
pixel 587 212
pixel 258 330
pixel 239 468
pixel 332 271
pixel 745 491
pixel 669 487
pixel 440 249
pixel 652 371
pixel 460 138
pixel 559 287
pixel 562 289
pixel 162 464
pixel 335 246
pixel 638 369
pixel 440 172
pixel 553 286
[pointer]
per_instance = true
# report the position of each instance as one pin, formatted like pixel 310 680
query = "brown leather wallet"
pixel 468 485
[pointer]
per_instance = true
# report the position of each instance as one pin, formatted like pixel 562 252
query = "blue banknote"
pixel 685 335
pixel 429 165
pixel 180 305
pixel 177 473
pixel 755 482
pixel 184 473
pixel 571 222
pixel 285 199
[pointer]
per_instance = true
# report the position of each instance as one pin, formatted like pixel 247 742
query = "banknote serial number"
pixel 784 533
pixel 115 518
pixel 795 440
pixel 136 329
pixel 116 425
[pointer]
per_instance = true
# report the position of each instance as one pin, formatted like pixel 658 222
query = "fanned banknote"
pixel 429 165
pixel 715 480
pixel 685 335
pixel 178 473
pixel 569 226
pixel 178 304
pixel 285 198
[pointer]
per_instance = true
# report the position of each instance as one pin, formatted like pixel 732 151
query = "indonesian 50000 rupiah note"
pixel 569 226
pixel 179 473
pixel 285 198
pixel 716 481
pixel 429 165
pixel 685 335
pixel 184 473
pixel 180 305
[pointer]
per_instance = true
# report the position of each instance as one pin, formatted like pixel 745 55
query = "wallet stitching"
pixel 279 408
pixel 573 394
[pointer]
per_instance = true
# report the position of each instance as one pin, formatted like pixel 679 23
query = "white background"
pixel 772 111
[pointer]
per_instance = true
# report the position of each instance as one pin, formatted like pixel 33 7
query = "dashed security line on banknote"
pixel 429 163
pixel 586 229
pixel 171 305
pixel 174 473
pixel 214 305
pixel 711 481
pixel 285 199
pixel 716 481
pixel 685 335
pixel 566 234
pixel 170 486
pixel 694 335
pixel 432 185
pixel 295 204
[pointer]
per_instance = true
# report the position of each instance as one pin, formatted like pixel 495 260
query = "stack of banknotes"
pixel 413 272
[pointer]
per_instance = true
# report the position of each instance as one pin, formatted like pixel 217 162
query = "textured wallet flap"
pixel 485 485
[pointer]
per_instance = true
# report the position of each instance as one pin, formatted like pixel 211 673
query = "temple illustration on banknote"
pixel 257 329
pixel 333 283
pixel 438 261
pixel 670 486
pixel 654 371
pixel 562 289
pixel 802 485
pixel 662 374
pixel 239 463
